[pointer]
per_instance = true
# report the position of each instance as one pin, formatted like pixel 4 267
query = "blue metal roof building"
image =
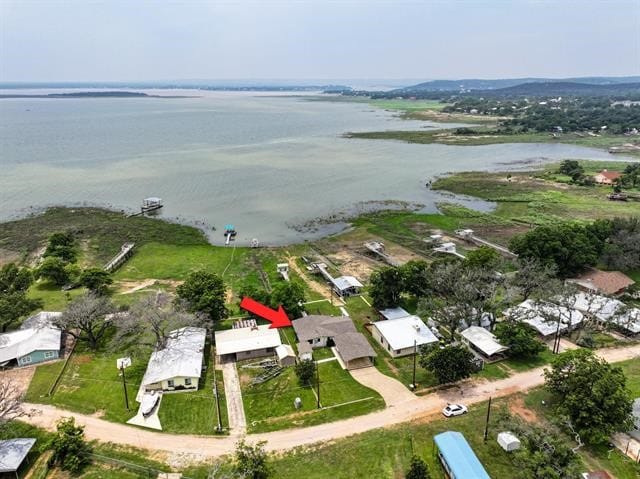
pixel 457 457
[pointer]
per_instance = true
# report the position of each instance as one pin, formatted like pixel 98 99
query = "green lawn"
pixel 269 406
pixel 489 136
pixel 91 384
pixel 631 369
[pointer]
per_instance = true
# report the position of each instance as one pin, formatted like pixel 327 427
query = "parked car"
pixel 455 410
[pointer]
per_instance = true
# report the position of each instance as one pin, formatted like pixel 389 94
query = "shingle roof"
pixel 317 326
pixel 182 357
pixel 607 282
pixel 13 452
pixel 352 346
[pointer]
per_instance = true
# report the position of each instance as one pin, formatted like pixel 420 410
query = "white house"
pixel 36 341
pixel 178 366
pixel 546 318
pixel 482 341
pixel 247 343
pixel 400 337
pixel 394 313
pixel 285 354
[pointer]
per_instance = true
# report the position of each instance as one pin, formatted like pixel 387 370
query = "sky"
pixel 144 40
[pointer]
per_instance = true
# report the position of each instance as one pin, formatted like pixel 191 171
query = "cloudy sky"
pixel 49 40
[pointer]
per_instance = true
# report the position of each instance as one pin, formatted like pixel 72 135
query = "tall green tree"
pixel 96 280
pixel 483 257
pixel 415 277
pixel 70 450
pixel 449 364
pixel 521 339
pixel 204 292
pixel 590 393
pixel 305 370
pixel 385 287
pixel 571 247
pixel 53 269
pixel 289 294
pixel 251 461
pixel 62 245
pixel 14 303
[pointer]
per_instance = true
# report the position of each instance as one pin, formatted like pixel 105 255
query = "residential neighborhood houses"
pixel 243 373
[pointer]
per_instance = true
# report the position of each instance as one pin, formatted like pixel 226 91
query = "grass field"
pixel 91 384
pixel 385 453
pixel 269 406
pixel 488 136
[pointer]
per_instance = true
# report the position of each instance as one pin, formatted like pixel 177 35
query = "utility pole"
pixel 317 385
pixel 556 342
pixel 415 353
pixel 124 386
pixel 486 425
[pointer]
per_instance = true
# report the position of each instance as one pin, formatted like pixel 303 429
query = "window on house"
pixel 170 383
pixel 187 381
pixel 49 354
pixel 26 359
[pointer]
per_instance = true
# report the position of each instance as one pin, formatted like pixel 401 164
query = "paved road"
pixel 233 395
pixel 402 411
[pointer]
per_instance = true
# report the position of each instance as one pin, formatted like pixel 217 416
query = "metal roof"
pixel 182 357
pixel 394 313
pixel 346 282
pixel 38 335
pixel 239 340
pixel 13 452
pixel 483 340
pixel 284 350
pixel 459 456
pixel 404 332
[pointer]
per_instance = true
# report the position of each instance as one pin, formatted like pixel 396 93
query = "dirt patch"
pixel 20 377
pixel 82 359
pixel 517 407
pixel 353 264
pixel 129 287
pixel 8 256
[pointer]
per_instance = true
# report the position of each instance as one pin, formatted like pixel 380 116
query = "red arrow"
pixel 278 319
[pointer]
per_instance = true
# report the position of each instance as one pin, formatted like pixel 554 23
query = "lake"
pixel 261 162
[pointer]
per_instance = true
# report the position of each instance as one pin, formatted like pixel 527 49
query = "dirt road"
pixel 411 408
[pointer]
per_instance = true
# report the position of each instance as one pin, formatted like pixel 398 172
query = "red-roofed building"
pixel 606 282
pixel 606 177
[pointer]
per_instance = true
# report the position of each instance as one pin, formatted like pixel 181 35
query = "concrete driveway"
pixel 233 394
pixel 392 391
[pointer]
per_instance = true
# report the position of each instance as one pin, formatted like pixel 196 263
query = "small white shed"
pixel 508 441
pixel 286 355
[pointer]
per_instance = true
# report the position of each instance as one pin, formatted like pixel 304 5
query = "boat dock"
pixel 229 234
pixel 125 253
pixel 377 248
pixel 468 235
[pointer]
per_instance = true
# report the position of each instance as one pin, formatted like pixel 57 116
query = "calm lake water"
pixel 263 163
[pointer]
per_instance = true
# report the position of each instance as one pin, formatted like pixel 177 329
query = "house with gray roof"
pixel 178 366
pixel 352 348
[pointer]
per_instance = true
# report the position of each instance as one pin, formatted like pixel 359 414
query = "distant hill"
pixel 91 94
pixel 479 84
pixel 562 88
